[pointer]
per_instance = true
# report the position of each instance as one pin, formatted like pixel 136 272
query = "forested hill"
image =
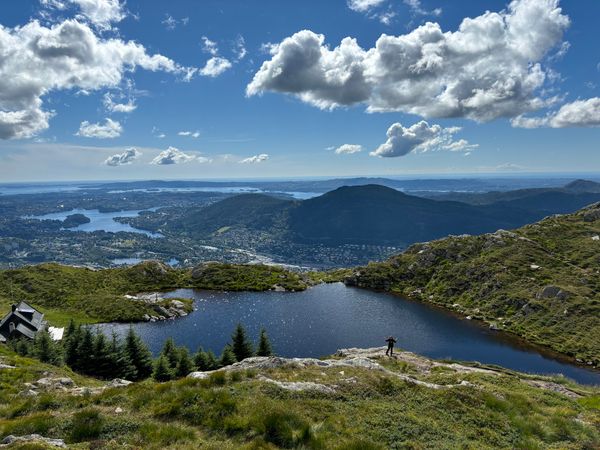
pixel 540 281
pixel 369 214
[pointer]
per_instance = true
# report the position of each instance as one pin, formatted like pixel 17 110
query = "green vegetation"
pixel 540 282
pixel 255 277
pixel 239 410
pixel 89 353
pixel 88 296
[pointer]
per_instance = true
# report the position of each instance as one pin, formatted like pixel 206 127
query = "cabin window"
pixel 11 327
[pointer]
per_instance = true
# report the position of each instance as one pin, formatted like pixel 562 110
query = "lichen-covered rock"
pixel 552 292
pixel 10 440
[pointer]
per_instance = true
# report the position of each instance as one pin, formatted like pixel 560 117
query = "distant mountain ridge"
pixel 376 215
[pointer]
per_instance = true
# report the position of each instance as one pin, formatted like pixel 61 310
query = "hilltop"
pixel 356 399
pixel 370 214
pixel 540 281
pixel 367 215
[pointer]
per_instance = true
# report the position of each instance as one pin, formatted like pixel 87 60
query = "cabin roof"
pixel 28 321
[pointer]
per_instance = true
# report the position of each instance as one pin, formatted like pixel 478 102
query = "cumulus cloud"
pixel 255 159
pixel 109 130
pixel 193 134
pixel 580 113
pixel 101 13
pixel 215 66
pixel 348 149
pixel 420 137
pixel 490 67
pixel 112 106
pixel 170 156
pixel 37 60
pixel 121 159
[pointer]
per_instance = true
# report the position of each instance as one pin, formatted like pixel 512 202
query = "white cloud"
pixel 169 22
pixel 112 106
pixel 347 149
pixel 100 13
pixel 203 160
pixel 240 48
pixel 209 46
pixel 364 5
pixel 157 133
pixel 121 159
pixel 420 137
pixel 66 56
pixel 193 134
pixel 255 159
pixel 111 129
pixel 580 113
pixel 489 68
pixel 170 156
pixel 215 66
pixel 417 9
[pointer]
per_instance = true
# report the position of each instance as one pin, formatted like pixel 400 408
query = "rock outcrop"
pixel 32 438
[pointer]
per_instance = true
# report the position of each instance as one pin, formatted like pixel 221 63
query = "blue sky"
pixel 85 82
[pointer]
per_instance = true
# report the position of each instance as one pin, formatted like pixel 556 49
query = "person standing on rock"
pixel 390 348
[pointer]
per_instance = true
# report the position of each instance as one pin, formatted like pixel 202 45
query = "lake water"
pixel 100 221
pixel 325 318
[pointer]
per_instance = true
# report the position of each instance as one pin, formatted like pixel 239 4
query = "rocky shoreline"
pixel 164 308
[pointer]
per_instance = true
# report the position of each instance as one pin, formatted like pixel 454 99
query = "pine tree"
pixel 23 347
pixel 70 330
pixel 264 345
pixel 162 371
pixel 103 362
pixel 213 363
pixel 45 349
pixel 170 352
pixel 240 344
pixel 120 360
pixel 184 365
pixel 227 357
pixel 85 352
pixel 201 361
pixel 139 355
pixel 71 344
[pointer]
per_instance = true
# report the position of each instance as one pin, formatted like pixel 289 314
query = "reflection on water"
pixel 322 319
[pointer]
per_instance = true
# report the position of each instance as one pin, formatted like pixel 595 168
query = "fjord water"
pixel 100 221
pixel 322 319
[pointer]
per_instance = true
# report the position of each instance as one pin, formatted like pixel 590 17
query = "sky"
pixel 190 89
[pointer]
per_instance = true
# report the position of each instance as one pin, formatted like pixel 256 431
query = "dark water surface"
pixel 322 319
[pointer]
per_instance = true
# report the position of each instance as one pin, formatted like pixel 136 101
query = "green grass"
pixel 375 411
pixel 89 296
pixel 490 277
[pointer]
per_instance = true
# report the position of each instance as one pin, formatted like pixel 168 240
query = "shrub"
pixel 287 430
pixel 164 435
pixel 86 425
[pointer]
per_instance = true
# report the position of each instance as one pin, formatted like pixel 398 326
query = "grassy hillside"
pixel 409 402
pixel 87 295
pixel 541 281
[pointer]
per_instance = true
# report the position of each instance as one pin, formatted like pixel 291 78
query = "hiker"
pixel 390 350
